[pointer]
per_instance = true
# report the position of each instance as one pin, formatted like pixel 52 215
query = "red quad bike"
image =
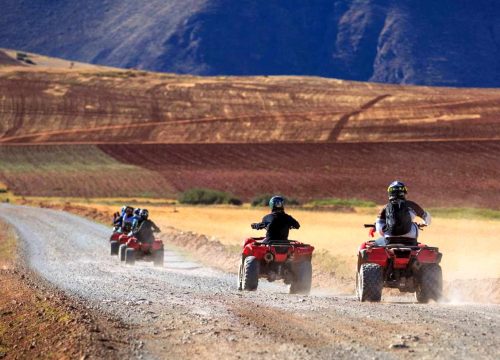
pixel 129 249
pixel 132 249
pixel 401 263
pixel 276 260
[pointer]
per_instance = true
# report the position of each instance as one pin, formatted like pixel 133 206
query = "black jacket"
pixel 278 225
pixel 145 232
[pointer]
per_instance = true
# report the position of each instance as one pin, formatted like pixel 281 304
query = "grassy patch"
pixel 7 244
pixel 335 202
pixel 207 197
pixel 335 266
pixel 466 213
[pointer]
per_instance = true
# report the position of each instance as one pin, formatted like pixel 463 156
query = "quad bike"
pixel 114 240
pixel 400 263
pixel 276 260
pixel 129 248
pixel 132 249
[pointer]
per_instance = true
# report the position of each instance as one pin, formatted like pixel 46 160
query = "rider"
pixel 128 218
pixel 277 223
pixel 397 218
pixel 118 218
pixel 144 229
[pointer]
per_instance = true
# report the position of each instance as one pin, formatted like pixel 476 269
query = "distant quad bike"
pixel 276 260
pixel 401 263
pixel 130 249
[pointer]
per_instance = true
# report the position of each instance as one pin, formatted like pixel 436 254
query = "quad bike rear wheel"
pixel 250 275
pixel 114 247
pixel 158 258
pixel 121 252
pixel 369 282
pixel 130 256
pixel 302 278
pixel 429 283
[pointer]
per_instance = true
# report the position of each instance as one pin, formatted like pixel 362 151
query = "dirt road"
pixel 184 310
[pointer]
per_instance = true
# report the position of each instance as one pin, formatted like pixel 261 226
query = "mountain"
pixel 426 42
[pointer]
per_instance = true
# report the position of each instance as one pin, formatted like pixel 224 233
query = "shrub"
pixel 263 200
pixel 207 197
pixel 342 203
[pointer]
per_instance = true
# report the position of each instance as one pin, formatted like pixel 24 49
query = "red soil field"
pixel 437 173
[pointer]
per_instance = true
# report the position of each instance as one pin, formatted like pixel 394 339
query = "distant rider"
pixel 277 223
pixel 128 219
pixel 118 218
pixel 397 218
pixel 144 228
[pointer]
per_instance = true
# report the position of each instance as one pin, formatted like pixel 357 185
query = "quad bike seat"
pixel 401 240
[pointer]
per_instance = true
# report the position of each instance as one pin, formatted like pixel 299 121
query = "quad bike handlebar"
pixel 372 227
pixel 260 226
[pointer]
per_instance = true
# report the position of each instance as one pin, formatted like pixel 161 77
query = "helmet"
pixel 123 209
pixel 277 203
pixel 137 212
pixel 397 190
pixel 144 214
pixel 129 210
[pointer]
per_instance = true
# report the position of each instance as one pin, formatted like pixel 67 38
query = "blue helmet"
pixel 277 203
pixel 137 211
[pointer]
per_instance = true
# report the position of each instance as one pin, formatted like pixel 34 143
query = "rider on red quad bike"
pixel 143 228
pixel 397 260
pixel 277 223
pixel 396 221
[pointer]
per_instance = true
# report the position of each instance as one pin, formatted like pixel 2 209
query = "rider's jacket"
pixel 278 224
pixel 415 210
pixel 144 232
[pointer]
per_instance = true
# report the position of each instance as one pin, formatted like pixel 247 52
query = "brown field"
pixel 80 170
pixel 51 103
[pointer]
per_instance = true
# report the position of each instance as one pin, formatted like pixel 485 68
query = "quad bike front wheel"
pixel 250 273
pixel 302 278
pixel 158 258
pixel 114 247
pixel 130 256
pixel 121 252
pixel 429 283
pixel 369 283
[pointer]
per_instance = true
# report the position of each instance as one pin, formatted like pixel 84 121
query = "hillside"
pixel 425 42
pixel 69 129
pixel 53 104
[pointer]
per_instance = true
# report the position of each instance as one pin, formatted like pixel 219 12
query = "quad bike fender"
pixel 374 255
pixel 115 236
pixel 123 238
pixel 133 243
pixel 303 251
pixel 429 256
pixel 157 245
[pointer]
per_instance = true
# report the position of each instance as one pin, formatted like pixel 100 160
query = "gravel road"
pixel 185 310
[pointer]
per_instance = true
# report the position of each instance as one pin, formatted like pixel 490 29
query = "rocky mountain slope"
pixel 447 42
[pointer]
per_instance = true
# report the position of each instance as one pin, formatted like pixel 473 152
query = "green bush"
pixel 207 197
pixel 263 200
pixel 342 203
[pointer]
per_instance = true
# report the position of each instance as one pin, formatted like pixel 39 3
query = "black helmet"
pixel 397 190
pixel 144 214
pixel 277 203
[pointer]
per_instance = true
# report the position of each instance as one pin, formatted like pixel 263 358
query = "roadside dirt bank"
pixel 38 321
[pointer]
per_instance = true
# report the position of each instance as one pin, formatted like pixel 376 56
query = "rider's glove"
pixel 255 226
